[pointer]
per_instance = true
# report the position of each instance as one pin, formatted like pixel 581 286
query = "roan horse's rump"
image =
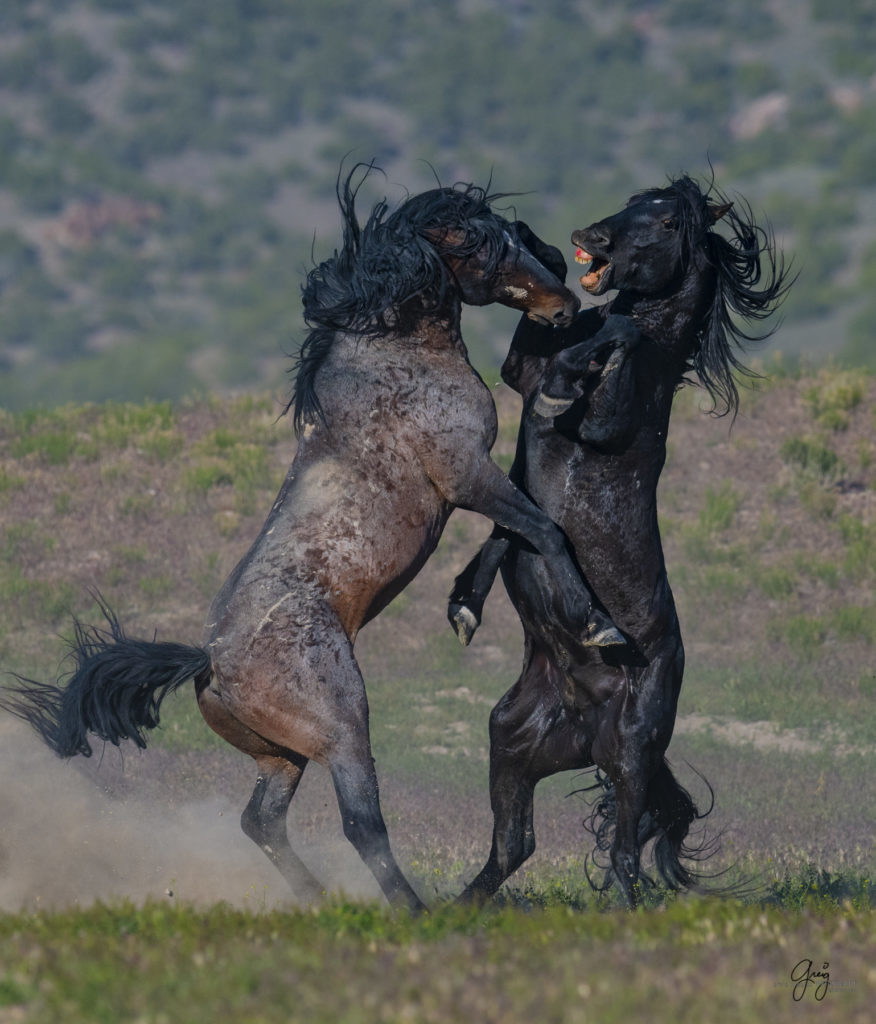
pixel 395 431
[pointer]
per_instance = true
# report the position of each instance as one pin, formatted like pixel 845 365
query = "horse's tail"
pixel 114 691
pixel 670 813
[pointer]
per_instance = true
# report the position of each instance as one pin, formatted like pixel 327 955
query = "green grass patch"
pixel 10 481
pixel 720 508
pixel 777 582
pixel 793 684
pixel 855 622
pixel 835 395
pixel 859 537
pixel 812 457
pixel 26 599
pixel 514 963
pixel 57 436
pixel 224 459
pixel 804 632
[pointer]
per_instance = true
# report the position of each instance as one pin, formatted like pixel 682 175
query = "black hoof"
pixel 608 636
pixel 464 622
pixel 602 632
pixel 549 407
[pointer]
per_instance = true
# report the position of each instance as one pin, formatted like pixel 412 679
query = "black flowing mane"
pixel 367 286
pixel 741 262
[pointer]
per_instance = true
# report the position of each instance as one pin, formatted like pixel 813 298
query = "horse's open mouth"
pixel 593 278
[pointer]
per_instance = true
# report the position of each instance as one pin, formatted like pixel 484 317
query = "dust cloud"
pixel 65 841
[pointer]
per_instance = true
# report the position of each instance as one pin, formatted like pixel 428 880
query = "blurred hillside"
pixel 167 168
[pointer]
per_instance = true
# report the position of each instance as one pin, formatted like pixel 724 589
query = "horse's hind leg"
pixel 631 796
pixel 264 820
pixel 279 772
pixel 355 780
pixel 531 737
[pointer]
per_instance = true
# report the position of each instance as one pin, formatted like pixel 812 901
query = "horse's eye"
pixel 670 223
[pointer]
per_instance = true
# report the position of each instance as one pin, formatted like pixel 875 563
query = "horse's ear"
pixel 717 212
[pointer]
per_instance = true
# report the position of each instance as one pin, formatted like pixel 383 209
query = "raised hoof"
pixel 604 636
pixel 549 408
pixel 465 622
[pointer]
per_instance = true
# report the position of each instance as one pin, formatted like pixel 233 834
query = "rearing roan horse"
pixel 395 431
pixel 591 447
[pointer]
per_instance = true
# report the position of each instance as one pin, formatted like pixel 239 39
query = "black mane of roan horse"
pixel 367 285
pixel 591 447
pixel 395 432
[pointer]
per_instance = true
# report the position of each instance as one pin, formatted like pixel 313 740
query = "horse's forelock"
pixel 458 220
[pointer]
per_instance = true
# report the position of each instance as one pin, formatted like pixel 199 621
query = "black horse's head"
pixel 646 247
pixel 662 238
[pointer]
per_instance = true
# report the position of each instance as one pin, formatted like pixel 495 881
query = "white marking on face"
pixel 513 292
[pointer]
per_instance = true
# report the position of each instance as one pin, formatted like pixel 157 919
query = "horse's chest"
pixel 451 401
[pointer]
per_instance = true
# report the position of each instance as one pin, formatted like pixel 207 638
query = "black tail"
pixel 114 691
pixel 668 819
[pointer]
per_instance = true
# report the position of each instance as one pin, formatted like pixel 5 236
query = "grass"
pixel 55 437
pixel 684 960
pixel 811 456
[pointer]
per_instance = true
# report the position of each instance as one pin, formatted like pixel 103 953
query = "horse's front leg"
pixel 487 490
pixel 473 584
pixel 564 378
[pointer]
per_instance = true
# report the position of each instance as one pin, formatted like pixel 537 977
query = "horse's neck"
pixel 438 329
pixel 673 319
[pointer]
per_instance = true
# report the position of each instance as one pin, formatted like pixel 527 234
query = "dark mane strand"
pixel 752 282
pixel 388 269
pixel 741 262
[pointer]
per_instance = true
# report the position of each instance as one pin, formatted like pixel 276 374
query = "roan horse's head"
pixel 511 275
pixel 484 257
pixel 436 250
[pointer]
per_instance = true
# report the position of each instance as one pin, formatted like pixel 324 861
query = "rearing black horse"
pixel 591 448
